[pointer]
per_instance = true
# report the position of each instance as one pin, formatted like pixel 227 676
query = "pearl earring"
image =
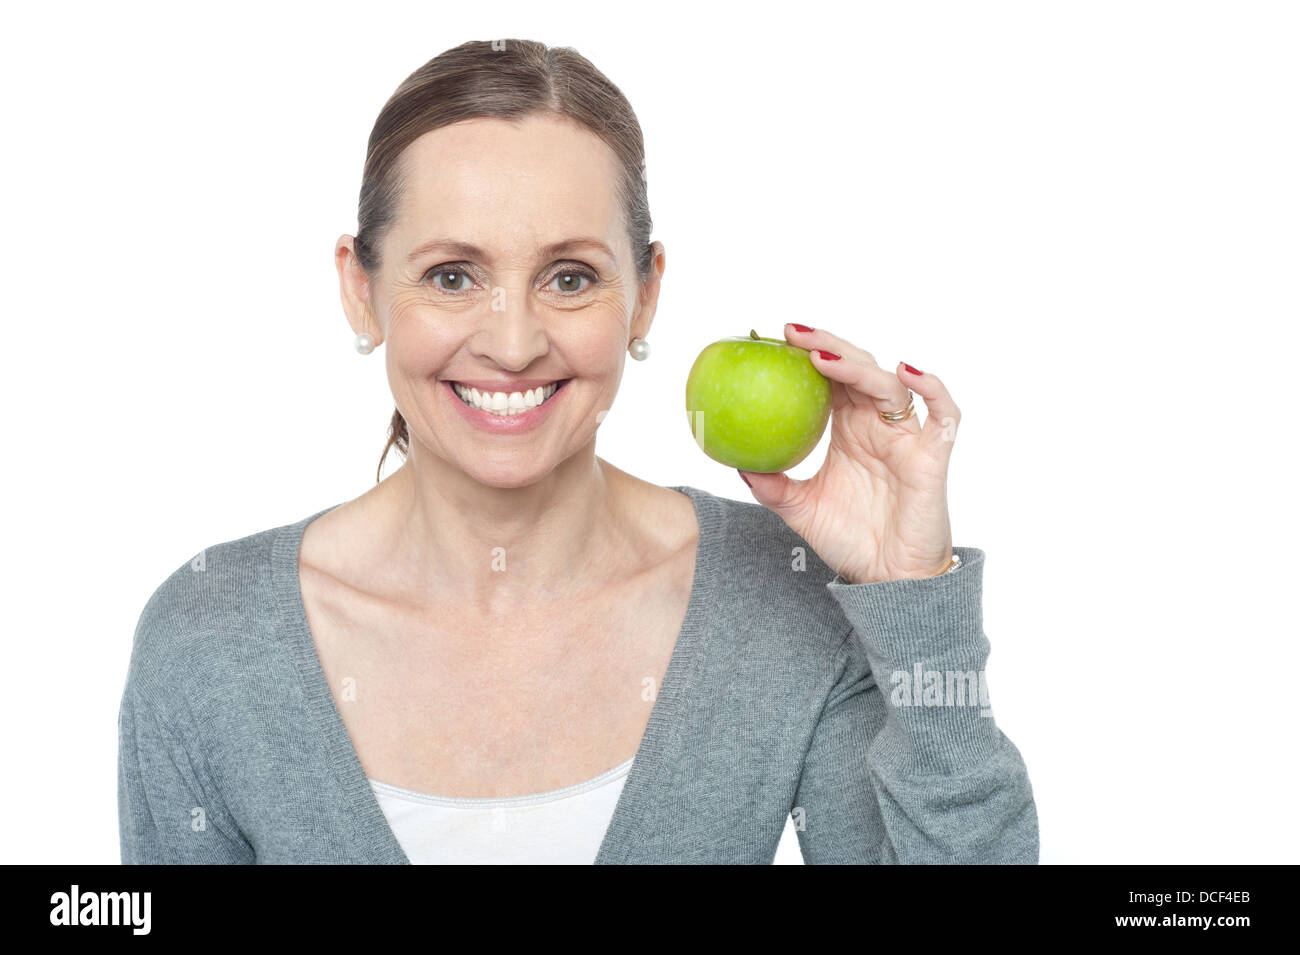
pixel 365 343
pixel 639 349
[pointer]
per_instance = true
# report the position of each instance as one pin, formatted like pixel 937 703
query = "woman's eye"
pixel 450 280
pixel 570 281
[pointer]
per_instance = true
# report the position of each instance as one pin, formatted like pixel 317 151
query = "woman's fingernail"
pixel 828 355
pixel 801 328
pixel 915 371
pixel 742 476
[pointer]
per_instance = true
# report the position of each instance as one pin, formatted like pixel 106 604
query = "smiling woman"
pixel 510 80
pixel 509 650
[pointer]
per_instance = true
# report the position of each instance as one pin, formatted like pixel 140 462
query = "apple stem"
pixel 753 334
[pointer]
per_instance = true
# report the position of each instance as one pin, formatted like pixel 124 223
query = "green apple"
pixel 757 404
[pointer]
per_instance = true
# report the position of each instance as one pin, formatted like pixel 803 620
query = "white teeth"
pixel 504 404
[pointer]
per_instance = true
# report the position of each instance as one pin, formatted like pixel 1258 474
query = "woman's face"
pixel 508 268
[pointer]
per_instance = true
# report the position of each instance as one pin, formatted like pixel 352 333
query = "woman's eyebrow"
pixel 470 251
pixel 464 249
pixel 569 245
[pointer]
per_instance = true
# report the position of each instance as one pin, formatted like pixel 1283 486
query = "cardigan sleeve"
pixel 166 812
pixel 906 764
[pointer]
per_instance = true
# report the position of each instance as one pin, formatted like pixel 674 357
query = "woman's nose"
pixel 511 333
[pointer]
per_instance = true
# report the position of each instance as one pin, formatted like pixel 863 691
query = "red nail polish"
pixel 829 356
pixel 743 478
pixel 915 371
pixel 801 328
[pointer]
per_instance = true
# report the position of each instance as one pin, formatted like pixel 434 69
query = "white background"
pixel 1082 216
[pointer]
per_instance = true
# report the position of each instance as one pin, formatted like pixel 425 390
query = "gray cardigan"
pixel 854 708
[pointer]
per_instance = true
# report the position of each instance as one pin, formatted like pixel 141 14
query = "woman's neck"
pixel 447 539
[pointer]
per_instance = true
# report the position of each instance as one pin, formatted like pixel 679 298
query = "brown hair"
pixel 502 78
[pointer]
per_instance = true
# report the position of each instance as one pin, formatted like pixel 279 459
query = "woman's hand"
pixel 878 508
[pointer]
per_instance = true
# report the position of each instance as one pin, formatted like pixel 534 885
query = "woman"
pixel 511 651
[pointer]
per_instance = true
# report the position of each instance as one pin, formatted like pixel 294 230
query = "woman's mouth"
pixel 507 404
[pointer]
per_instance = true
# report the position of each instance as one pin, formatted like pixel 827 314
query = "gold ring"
pixel 903 415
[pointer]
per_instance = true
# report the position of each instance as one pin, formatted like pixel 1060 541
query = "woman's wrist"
pixel 953 563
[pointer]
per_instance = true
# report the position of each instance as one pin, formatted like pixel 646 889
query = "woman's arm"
pixel 906 764
pixel 167 812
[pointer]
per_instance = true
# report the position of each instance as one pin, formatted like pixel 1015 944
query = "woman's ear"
pixel 354 289
pixel 648 295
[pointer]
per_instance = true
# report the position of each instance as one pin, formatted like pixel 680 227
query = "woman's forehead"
pixel 540 180
pixel 486 158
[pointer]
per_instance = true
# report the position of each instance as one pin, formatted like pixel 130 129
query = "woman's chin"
pixel 506 473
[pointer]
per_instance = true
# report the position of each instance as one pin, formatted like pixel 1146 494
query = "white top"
pixel 560 827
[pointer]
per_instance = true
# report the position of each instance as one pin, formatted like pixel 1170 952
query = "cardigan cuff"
pixel 925 642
